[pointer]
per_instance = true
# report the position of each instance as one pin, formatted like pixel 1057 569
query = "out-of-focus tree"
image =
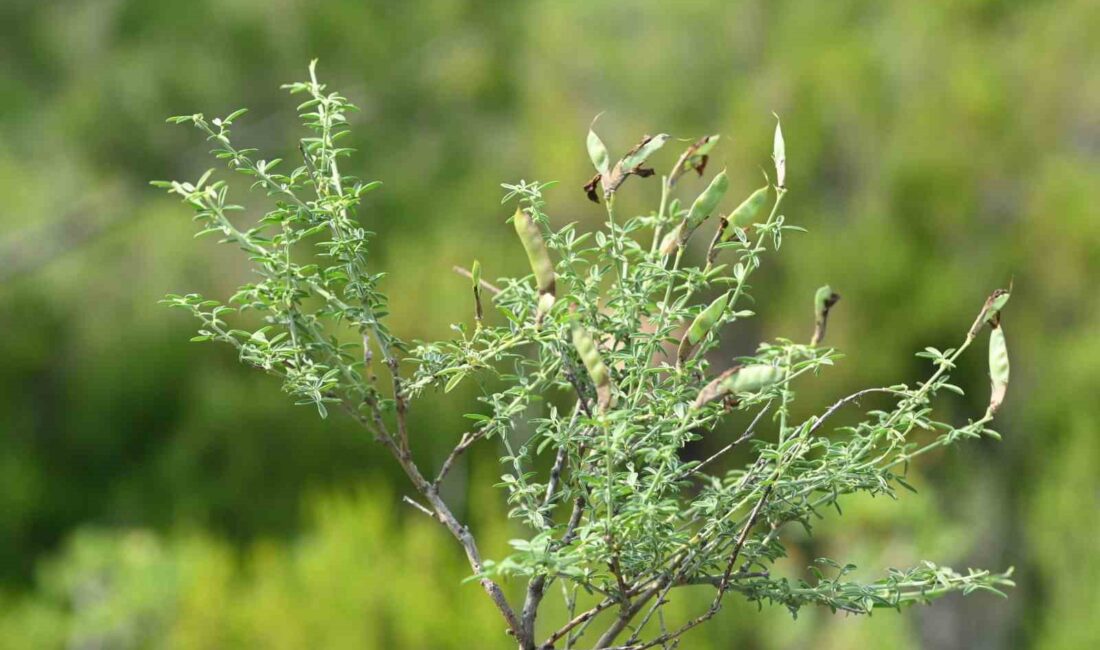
pixel 958 137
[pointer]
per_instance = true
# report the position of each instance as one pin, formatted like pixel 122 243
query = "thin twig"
pixel 416 504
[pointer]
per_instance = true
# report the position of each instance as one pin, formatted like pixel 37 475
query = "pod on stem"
pixel 740 379
pixel 539 258
pixel 998 369
pixel 597 370
pixel 701 326
pixel 745 214
pixel 703 207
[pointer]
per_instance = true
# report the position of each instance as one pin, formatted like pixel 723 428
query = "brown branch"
pixel 467 440
pixel 439 508
pixel 742 438
pixel 723 584
pixel 625 616
pixel 416 504
pixel 575 621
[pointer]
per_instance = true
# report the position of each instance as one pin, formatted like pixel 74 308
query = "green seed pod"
pixel 998 369
pixel 706 203
pixel 597 152
pixel 597 371
pixel 824 300
pixel 701 326
pixel 537 254
pixel 746 213
pixel 751 379
pixel 779 155
pixel 539 258
pixel 741 379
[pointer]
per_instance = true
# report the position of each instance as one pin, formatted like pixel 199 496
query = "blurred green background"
pixel 153 493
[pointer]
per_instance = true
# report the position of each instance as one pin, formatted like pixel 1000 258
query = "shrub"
pixel 605 359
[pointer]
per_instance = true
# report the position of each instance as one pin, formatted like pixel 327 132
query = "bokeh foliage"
pixel 942 148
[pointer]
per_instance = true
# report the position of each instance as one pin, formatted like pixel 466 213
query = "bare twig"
pixel 416 504
pixel 464 443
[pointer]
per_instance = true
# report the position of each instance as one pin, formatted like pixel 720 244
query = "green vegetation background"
pixel 153 493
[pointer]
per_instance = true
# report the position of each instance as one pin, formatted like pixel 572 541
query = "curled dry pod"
pixel 695 157
pixel 701 326
pixel 746 213
pixel 597 370
pixel 630 165
pixel 998 369
pixel 991 311
pixel 995 304
pixel 539 258
pixel 643 150
pixel 824 300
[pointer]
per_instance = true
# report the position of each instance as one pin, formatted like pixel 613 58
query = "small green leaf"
pixel 454 381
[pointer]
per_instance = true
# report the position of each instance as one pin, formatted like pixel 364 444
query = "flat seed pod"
pixel 741 379
pixel 537 254
pixel 597 152
pixel 706 202
pixel 998 369
pixel 745 215
pixel 751 379
pixel 779 155
pixel 701 326
pixel 597 370
pixel 539 258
